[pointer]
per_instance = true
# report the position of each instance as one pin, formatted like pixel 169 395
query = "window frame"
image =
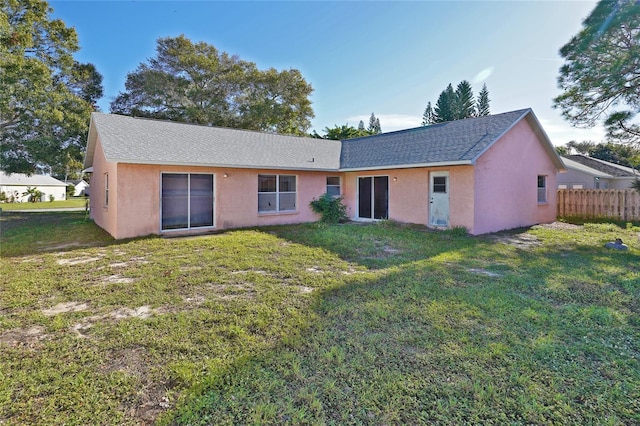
pixel 338 186
pixel 278 193
pixel 106 190
pixel 543 196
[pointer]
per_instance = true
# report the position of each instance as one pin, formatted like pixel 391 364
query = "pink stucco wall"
pixel 104 216
pixel 137 197
pixel 506 183
pixel 409 194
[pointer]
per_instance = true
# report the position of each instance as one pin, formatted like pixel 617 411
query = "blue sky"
pixel 385 57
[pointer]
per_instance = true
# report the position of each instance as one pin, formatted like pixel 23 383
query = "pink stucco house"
pixel 156 177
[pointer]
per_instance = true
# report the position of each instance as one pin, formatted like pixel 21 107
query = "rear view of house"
pixel 486 174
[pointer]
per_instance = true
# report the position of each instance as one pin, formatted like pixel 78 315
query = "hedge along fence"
pixel 621 204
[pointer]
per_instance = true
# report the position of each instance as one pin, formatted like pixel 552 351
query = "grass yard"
pixel 312 324
pixel 76 202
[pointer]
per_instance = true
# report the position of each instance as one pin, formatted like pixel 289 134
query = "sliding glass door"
pixel 187 201
pixel 373 197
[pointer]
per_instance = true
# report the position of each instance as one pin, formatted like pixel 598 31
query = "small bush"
pixel 457 231
pixel 329 208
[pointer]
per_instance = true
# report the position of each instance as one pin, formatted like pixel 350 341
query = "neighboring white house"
pixel 81 187
pixel 16 184
pixel 591 173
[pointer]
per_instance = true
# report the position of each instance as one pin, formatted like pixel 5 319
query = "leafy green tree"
pixel 600 78
pixel 428 115
pixel 196 83
pixel 343 132
pixel 482 104
pixel 626 155
pixel 583 147
pixel 374 125
pixel 46 97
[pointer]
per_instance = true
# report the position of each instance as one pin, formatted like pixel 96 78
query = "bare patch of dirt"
pixel 78 260
pixel 154 402
pixel 560 225
pixel 62 308
pixel 249 271
pixel 482 271
pixel 23 336
pixel 305 290
pixel 133 361
pixel 117 279
pixel 81 329
pixel 315 269
pixel 390 250
pixel 151 399
pixel 65 246
pixel 523 241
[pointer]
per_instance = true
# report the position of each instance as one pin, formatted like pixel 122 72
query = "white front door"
pixel 439 199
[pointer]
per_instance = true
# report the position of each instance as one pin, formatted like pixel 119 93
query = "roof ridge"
pixel 418 128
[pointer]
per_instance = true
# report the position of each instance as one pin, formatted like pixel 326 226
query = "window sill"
pixel 288 212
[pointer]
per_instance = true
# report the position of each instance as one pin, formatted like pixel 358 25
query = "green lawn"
pixel 76 202
pixel 312 324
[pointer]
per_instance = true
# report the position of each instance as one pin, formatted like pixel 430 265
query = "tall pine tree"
pixel 445 109
pixel 457 104
pixel 374 125
pixel 465 104
pixel 428 116
pixel 482 105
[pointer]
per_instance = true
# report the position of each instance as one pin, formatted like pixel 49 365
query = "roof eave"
pixel 224 166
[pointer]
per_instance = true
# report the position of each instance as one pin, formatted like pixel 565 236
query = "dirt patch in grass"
pixel 65 246
pixel 81 329
pixel 78 260
pixel 522 241
pixel 61 308
pixel 560 226
pixel 23 336
pixel 117 279
pixel 482 271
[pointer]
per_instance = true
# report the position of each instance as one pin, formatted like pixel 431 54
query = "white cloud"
pixel 482 75
pixel 389 122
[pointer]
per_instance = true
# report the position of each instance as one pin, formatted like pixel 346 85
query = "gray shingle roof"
pixel 136 140
pixel 611 169
pixel 33 180
pixel 453 142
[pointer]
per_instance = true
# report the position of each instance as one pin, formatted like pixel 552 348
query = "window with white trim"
pixel 333 186
pixel 542 189
pixel 276 193
pixel 106 189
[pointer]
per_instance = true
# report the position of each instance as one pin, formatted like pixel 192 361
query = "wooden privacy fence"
pixel 621 204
